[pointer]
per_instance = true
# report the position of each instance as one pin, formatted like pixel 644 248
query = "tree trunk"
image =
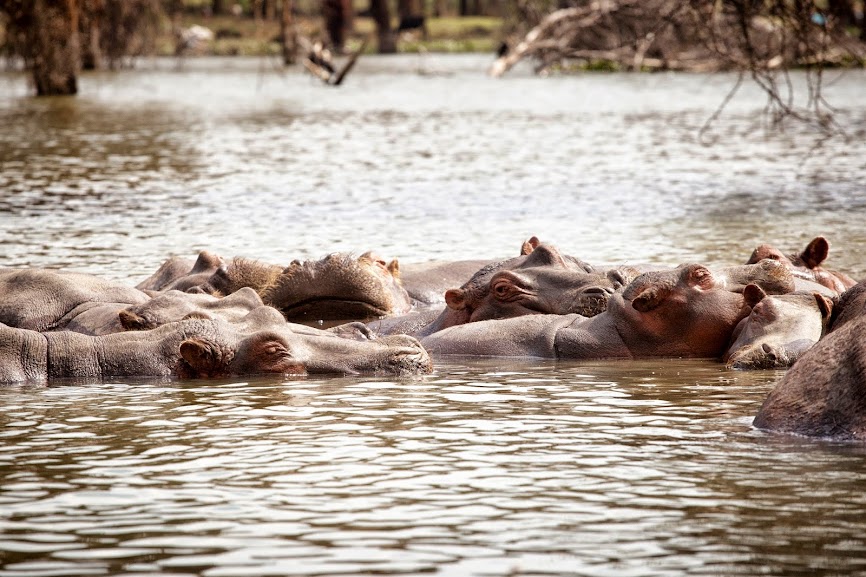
pixel 270 10
pixel 404 8
pixel 348 17
pixel 335 23
pixel 54 46
pixel 843 11
pixel 218 7
pixel 382 16
pixel 287 32
pixel 91 52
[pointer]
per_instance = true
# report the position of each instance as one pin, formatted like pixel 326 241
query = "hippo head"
pixel 540 281
pixel 771 275
pixel 539 290
pixel 205 265
pixel 807 263
pixel 338 287
pixel 681 312
pixel 265 344
pixel 778 330
pixel 174 305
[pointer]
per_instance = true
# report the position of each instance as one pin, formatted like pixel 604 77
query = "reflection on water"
pixel 487 467
pixel 252 161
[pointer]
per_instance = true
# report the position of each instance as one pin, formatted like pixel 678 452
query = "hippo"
pixel 175 305
pixel 44 300
pixel 683 312
pixel 851 306
pixel 807 264
pixel 336 287
pixel 539 281
pixel 199 348
pixel 824 393
pixel 426 283
pixel 779 330
pixel 772 276
pixel 182 274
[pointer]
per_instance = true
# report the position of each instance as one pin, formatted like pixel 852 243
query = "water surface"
pixel 486 467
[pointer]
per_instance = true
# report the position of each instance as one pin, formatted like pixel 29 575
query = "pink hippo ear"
pixel 529 246
pixel 825 305
pixel 201 355
pixel 815 252
pixel 650 298
pixel 753 294
pixel 455 299
pixel 131 321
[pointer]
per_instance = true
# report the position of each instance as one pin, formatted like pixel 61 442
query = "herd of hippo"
pixel 216 318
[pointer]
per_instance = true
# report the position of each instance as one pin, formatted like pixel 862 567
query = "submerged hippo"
pixel 824 393
pixel 684 312
pixel 807 264
pixel 540 281
pixel 851 306
pixel 174 305
pixel 44 300
pixel 182 274
pixel 194 349
pixel 336 287
pixel 779 330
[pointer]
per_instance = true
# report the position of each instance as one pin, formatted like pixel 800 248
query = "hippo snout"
pixel 763 356
pixel 592 300
pixel 408 356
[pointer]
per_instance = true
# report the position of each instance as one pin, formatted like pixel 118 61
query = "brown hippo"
pixel 851 306
pixel 43 300
pixel 779 329
pixel 337 287
pixel 824 393
pixel 174 305
pixel 772 276
pixel 807 264
pixel 426 283
pixel 181 274
pixel 540 281
pixel 684 312
pixel 197 348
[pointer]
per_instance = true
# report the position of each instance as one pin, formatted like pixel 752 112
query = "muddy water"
pixel 486 467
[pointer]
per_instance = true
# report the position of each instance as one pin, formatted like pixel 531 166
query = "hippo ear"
pixel 825 305
pixel 131 321
pixel 197 315
pixel 529 246
pixel 201 355
pixel 700 276
pixel 455 299
pixel 650 298
pixel 394 268
pixel 815 252
pixel 206 260
pixel 753 294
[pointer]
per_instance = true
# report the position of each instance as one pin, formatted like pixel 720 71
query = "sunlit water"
pixel 486 467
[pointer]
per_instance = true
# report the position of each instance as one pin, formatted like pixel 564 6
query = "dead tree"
pixel 761 40
pixel 382 16
pixel 288 33
pixel 335 23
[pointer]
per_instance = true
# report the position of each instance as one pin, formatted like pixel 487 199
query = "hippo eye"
pixel 502 289
pixel 274 350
